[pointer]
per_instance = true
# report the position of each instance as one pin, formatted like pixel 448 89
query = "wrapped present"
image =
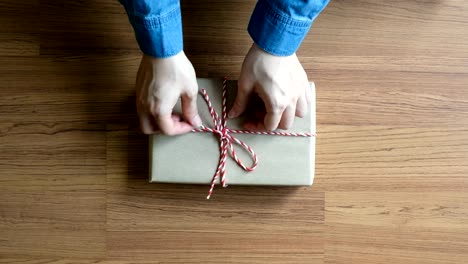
pixel 223 152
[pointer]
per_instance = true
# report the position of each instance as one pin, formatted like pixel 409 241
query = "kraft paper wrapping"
pixel 193 158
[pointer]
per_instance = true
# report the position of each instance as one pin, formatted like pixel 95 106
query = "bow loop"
pixel 227 140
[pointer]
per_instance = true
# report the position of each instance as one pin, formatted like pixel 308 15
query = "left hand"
pixel 280 82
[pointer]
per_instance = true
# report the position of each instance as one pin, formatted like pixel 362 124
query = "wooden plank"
pixel 213 247
pixel 403 227
pixel 361 158
pixel 17 44
pixel 52 191
pixel 391 156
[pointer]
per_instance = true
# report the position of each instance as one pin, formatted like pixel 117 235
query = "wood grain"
pixel 392 152
pixel 392 159
pixel 407 227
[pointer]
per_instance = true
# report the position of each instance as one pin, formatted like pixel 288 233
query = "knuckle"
pixel 192 93
pixel 157 95
pixel 141 101
pixel 166 131
pixel 153 111
pixel 301 112
pixel 278 105
pixel 155 108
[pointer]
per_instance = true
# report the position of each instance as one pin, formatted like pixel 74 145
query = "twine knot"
pixel 226 140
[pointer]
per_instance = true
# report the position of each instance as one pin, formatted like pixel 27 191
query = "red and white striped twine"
pixel 226 140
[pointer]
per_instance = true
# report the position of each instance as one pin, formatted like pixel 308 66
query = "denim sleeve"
pixel 157 25
pixel 279 26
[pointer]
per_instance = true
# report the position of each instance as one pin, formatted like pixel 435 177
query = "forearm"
pixel 157 25
pixel 280 26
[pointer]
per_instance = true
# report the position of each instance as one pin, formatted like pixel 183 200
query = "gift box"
pixel 194 158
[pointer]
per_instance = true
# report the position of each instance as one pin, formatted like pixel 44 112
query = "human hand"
pixel 159 85
pixel 280 82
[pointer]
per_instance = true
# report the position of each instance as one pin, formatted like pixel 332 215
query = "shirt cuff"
pixel 159 36
pixel 275 31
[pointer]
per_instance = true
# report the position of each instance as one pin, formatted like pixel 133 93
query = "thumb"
pixel 243 93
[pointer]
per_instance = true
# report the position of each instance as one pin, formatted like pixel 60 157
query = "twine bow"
pixel 226 140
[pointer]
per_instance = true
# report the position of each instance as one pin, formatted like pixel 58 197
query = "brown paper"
pixel 193 158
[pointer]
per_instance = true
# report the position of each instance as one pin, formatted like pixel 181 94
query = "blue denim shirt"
pixel 276 26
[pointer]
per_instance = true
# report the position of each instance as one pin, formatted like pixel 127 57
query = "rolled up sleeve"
pixel 280 26
pixel 157 26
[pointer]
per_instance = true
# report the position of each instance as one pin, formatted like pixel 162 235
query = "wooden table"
pixel 392 153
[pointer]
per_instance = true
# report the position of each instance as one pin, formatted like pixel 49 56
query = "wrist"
pixel 258 50
pixel 171 57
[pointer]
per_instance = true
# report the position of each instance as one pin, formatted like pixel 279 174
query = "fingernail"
pixel 197 121
pixel 232 114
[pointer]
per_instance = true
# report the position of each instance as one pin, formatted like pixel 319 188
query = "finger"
pixel 309 92
pixel 147 124
pixel 176 118
pixel 254 126
pixel 272 119
pixel 171 126
pixel 250 126
pixel 275 106
pixel 287 118
pixel 301 107
pixel 189 109
pixel 161 112
pixel 165 121
pixel 244 89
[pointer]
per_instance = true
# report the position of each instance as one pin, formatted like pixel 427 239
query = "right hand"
pixel 159 85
